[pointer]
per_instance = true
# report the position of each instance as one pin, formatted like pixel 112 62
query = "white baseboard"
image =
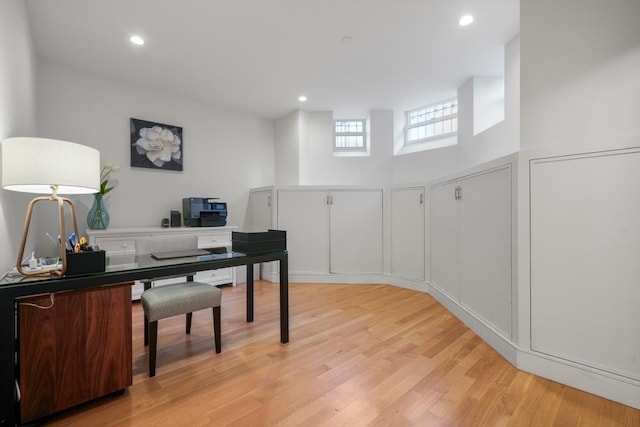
pixel 328 278
pixel 497 341
pixel 415 285
pixel 337 278
pixel 609 386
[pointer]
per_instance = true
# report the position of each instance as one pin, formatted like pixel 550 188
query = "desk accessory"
pixel 176 219
pixel 85 262
pixel 261 242
pixel 40 165
pixel 180 254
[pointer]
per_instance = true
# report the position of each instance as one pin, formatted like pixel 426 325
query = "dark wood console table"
pixel 145 268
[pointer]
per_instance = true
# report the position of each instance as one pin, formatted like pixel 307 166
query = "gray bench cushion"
pixel 178 298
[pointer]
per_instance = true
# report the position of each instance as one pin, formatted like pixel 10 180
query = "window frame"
pixel 409 127
pixel 363 134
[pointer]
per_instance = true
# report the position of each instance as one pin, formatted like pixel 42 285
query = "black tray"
pixel 260 242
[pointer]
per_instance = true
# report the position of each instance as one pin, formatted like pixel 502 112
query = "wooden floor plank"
pixel 359 355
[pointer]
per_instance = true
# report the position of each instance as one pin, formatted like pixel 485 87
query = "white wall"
pixel 322 167
pixel 471 150
pixel 287 149
pixel 580 74
pixel 488 102
pixel 17 114
pixel 304 148
pixel 225 153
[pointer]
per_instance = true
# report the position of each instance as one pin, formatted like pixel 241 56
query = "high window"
pixel 350 135
pixel 432 122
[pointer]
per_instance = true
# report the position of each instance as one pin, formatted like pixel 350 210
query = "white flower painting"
pixel 156 145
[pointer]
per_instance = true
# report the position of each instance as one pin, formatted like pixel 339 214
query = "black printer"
pixel 204 212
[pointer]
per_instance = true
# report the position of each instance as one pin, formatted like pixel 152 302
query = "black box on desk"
pixel 85 263
pixel 257 243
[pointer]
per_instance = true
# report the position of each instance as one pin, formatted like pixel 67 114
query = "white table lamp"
pixel 39 165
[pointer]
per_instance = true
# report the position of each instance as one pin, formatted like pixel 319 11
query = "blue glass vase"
pixel 98 217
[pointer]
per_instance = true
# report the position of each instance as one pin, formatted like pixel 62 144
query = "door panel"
pixel 304 215
pixel 261 211
pixel 356 232
pixel 407 233
pixel 261 220
pixel 585 252
pixel 444 238
pixel 485 247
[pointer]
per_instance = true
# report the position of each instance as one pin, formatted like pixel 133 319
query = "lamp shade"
pixel 33 165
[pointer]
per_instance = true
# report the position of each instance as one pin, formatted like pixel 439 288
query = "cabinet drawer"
pixel 118 250
pixel 214 240
pixel 215 277
pixel 116 246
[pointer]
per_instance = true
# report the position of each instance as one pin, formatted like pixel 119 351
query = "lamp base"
pixel 25 231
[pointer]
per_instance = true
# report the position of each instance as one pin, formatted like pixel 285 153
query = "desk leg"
pixel 284 299
pixel 249 292
pixel 8 413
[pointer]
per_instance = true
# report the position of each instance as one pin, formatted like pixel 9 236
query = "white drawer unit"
pixel 214 240
pixel 122 244
pixel 118 250
pixel 117 245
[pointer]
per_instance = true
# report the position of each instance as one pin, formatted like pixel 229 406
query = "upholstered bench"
pixel 171 300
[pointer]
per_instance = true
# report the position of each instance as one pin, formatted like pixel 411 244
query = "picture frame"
pixel 156 145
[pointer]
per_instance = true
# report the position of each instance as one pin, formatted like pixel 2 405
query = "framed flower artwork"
pixel 156 145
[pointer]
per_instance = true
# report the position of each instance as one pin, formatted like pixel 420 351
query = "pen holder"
pixel 85 263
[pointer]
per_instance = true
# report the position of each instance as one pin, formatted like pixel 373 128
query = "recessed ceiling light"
pixel 346 39
pixel 465 20
pixel 137 40
pixel 302 98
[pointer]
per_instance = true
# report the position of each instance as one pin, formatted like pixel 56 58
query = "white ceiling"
pixel 258 56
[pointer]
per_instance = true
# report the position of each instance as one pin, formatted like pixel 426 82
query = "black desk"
pixel 145 268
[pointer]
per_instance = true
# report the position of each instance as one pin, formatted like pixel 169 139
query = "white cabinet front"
pixel 356 232
pixel 337 231
pixel 407 233
pixel 485 247
pixel 471 244
pixel 585 260
pixel 260 204
pixel 445 265
pixel 260 219
pixel 305 217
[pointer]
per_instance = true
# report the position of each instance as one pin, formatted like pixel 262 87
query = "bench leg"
pixel 153 345
pixel 189 317
pixel 217 329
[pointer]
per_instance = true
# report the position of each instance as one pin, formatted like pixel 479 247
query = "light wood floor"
pixel 359 355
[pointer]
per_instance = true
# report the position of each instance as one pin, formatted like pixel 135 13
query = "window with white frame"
pixel 432 122
pixel 350 135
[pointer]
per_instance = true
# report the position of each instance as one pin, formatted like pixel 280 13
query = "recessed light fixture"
pixel 137 40
pixel 302 98
pixel 346 39
pixel 465 20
